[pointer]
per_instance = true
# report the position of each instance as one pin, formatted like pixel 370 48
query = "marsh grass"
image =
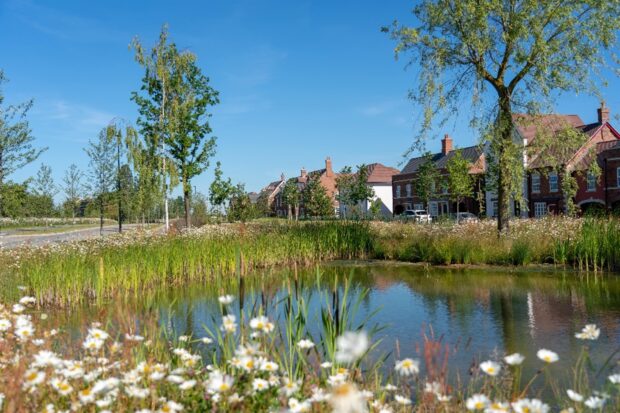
pixel 132 263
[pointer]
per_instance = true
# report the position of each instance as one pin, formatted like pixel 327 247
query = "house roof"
pixel 470 153
pixel 529 125
pixel 380 174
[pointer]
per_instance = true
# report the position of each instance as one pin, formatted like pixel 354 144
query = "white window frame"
pixel 540 209
pixel 418 207
pixel 397 191
pixel 494 208
pixel 591 182
pixel 535 183
pixel 553 178
pixel 408 190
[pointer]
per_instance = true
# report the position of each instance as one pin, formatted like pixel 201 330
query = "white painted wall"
pixel 382 192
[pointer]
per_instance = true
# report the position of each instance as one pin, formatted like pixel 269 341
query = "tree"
pixel 426 178
pixel 291 196
pixel 352 187
pixel 72 187
pixel 504 54
pixel 16 140
pixel 121 136
pixel 44 190
pixel 174 111
pixel 316 201
pixel 148 182
pixel 240 207
pixel 460 181
pixel 220 189
pixel 102 172
pixel 15 200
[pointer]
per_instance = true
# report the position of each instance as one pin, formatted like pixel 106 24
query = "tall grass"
pixel 77 275
pixel 91 270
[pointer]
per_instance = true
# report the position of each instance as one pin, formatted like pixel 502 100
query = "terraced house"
pixel 542 189
pixel 404 196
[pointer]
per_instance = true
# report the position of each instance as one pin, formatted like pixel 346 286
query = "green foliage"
pixel 460 181
pixel 173 111
pixel 316 201
pixel 352 187
pixel 427 176
pixel 102 169
pixel 16 140
pixel 291 197
pixel 73 187
pixel 503 55
pixel 220 189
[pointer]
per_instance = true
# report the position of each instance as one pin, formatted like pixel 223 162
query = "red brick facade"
pixel 404 196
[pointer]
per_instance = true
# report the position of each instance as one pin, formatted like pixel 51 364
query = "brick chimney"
pixel 603 113
pixel 328 167
pixel 446 144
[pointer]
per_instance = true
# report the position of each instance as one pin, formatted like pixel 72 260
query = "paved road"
pixel 12 241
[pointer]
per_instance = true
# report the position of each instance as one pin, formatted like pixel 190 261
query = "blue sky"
pixel 298 80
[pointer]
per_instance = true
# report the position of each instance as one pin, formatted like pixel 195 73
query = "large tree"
pixel 16 140
pixel 504 55
pixel 101 152
pixel 174 110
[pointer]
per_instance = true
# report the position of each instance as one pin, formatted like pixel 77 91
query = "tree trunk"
pixel 118 186
pixel 186 199
pixel 100 215
pixel 290 212
pixel 503 181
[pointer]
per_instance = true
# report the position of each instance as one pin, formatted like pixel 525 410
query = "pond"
pixel 475 314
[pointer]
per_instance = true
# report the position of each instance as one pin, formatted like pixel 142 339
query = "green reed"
pixel 74 276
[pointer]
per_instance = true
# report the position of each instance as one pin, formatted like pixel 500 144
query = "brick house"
pixel 269 193
pixel 327 179
pixel 403 187
pixel 380 180
pixel 543 187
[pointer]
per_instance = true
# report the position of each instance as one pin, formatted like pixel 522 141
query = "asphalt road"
pixel 12 241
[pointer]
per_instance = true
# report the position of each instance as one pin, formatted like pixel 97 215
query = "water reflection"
pixel 477 314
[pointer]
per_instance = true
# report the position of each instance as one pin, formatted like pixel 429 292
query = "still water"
pixel 475 314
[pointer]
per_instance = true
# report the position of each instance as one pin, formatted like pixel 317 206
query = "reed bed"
pixel 128 264
pixel 132 263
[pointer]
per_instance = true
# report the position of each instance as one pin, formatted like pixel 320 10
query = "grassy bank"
pixel 133 262
pixel 129 263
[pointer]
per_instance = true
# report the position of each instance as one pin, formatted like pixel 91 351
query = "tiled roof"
pixel 529 125
pixel 470 153
pixel 379 173
pixel 606 146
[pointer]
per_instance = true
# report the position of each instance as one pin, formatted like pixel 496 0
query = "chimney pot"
pixel 603 113
pixel 446 144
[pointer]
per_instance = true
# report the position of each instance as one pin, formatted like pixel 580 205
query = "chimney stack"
pixel 603 113
pixel 446 144
pixel 328 167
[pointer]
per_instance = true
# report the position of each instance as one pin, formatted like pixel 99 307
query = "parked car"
pixel 462 217
pixel 417 215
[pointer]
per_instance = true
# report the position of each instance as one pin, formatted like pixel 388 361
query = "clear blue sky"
pixel 299 80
